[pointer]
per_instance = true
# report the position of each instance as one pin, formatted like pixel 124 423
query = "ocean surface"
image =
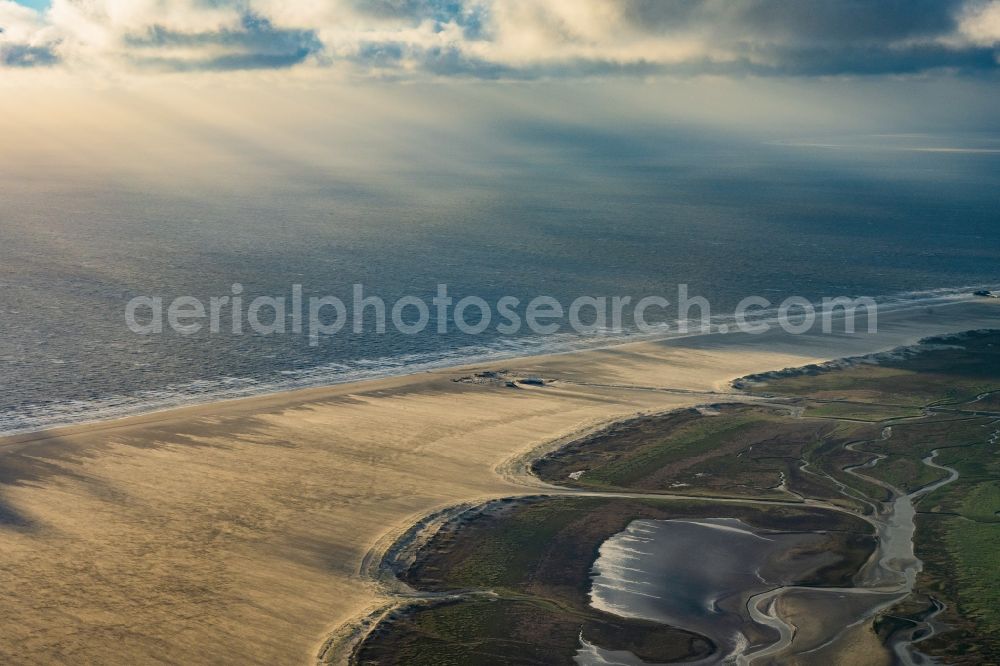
pixel 562 213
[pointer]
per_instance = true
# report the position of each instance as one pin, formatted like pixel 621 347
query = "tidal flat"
pixel 847 516
pixel 526 570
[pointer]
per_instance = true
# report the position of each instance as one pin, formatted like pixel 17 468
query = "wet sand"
pixel 683 573
pixel 237 532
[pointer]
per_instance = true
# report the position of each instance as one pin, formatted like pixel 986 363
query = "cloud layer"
pixel 508 38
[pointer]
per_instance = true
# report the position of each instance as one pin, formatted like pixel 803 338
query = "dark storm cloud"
pixel 841 21
pixel 761 37
pixel 525 39
pixel 819 37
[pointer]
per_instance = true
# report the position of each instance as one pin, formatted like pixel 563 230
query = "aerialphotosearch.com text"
pixel 319 317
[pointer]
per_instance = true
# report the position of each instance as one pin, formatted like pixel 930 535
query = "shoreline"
pixel 243 526
pixel 934 298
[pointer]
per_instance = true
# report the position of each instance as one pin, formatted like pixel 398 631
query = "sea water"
pixel 593 218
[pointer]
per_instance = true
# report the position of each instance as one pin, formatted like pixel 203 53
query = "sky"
pixel 129 84
pixel 506 39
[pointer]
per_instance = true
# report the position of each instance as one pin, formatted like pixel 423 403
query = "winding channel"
pixel 890 573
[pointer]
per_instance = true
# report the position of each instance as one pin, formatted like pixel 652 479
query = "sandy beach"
pixel 236 531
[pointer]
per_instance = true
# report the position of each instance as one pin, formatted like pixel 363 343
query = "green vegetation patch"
pixel 742 451
pixel 547 546
pixel 974 547
pixel 483 631
pixel 907 474
pixel 859 411
pixel 982 504
pixel 947 371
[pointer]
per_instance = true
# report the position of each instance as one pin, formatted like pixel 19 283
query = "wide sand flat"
pixel 235 532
